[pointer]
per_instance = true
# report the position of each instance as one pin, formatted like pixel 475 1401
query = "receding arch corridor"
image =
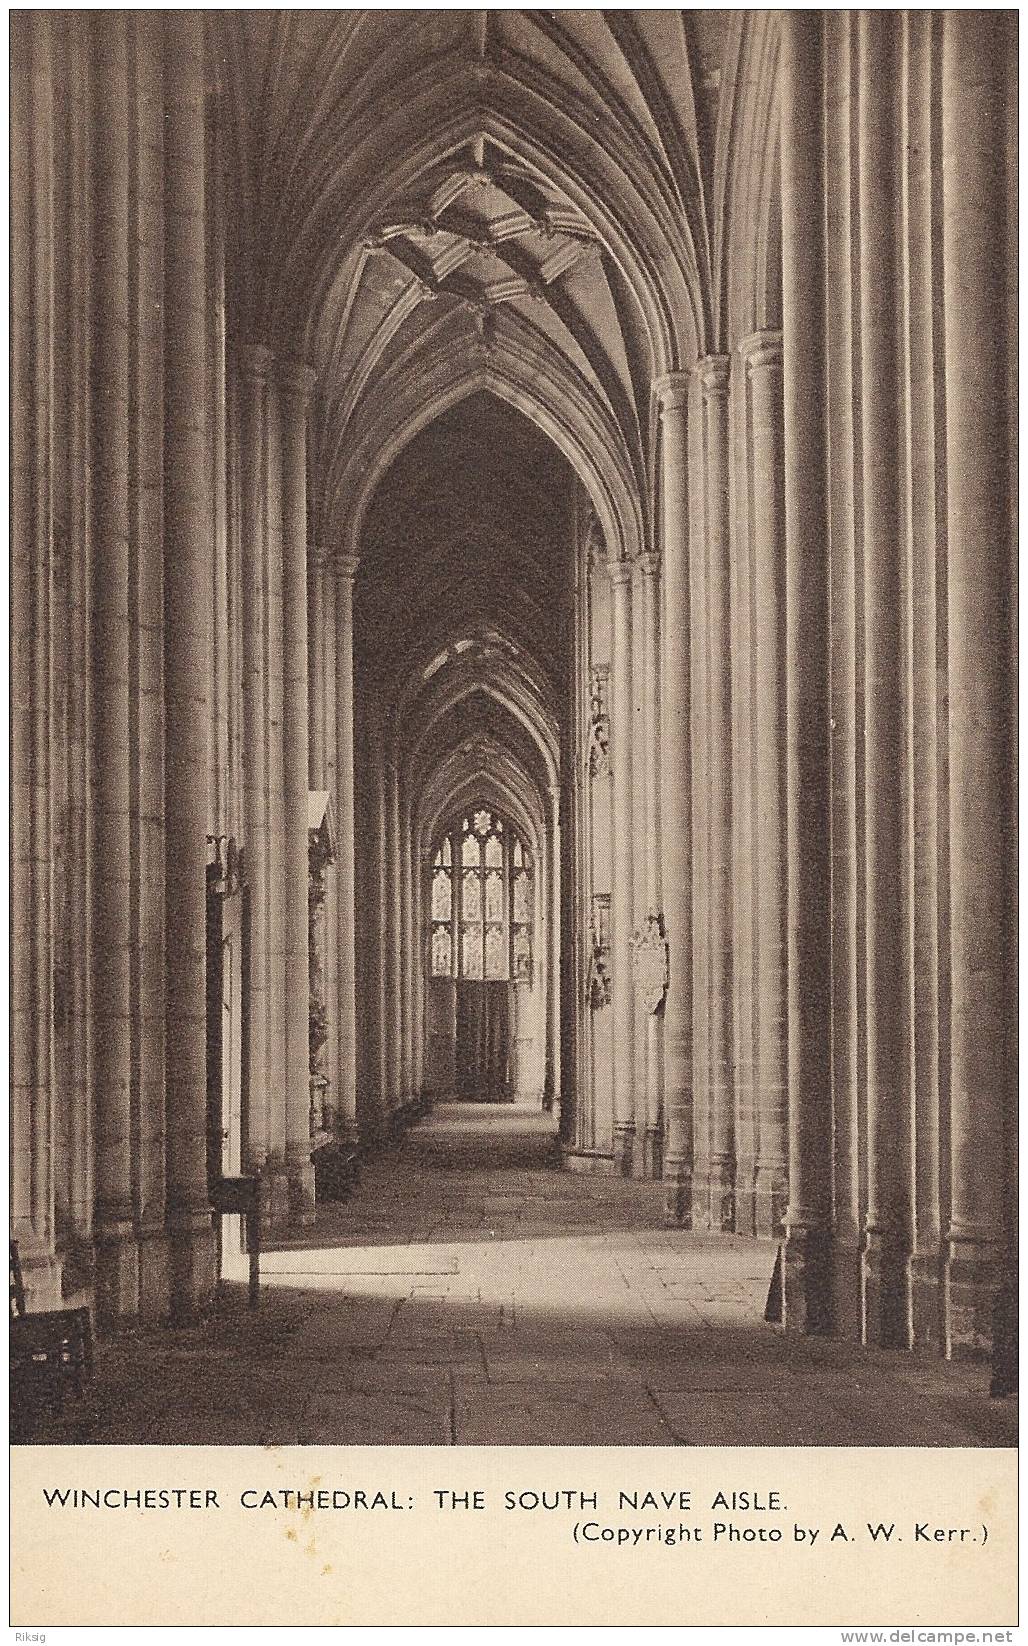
pixel 470 1293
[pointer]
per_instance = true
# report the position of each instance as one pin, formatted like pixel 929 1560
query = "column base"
pixel 1004 1332
pixel 678 1192
pixel 347 1129
pixel 806 1280
pixel 78 1273
pixel 154 1274
pixel 624 1149
pixel 638 1155
pixel 593 1161
pixel 887 1306
pixel 971 1279
pixel 302 1199
pixel 714 1198
pixel 274 1195
pixel 117 1271
pixel 191 1262
pixel 745 1197
pixel 653 1152
pixel 927 1298
pixel 847 1303
pixel 770 1197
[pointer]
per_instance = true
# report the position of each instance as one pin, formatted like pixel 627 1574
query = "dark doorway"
pixel 483 1052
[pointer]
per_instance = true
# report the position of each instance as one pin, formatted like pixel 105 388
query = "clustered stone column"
pixel 621 906
pixel 345 567
pixel 976 47
pixel 187 663
pixel 38 548
pixel 253 363
pixel 716 1157
pixel 553 915
pixel 295 384
pixel 322 777
pixel 647 654
pixel 676 794
pixel 898 669
pixel 806 567
pixel 117 1252
pixel 272 402
pixel 320 854
pixel 888 1224
pixel 375 1121
pixel 762 359
pixel 391 914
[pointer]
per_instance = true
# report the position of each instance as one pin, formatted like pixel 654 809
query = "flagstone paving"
pixel 471 1293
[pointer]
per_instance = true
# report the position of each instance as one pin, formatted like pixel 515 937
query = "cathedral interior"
pixel 513 658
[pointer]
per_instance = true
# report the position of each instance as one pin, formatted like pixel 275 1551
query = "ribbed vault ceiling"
pixel 470 524
pixel 534 177
pixel 488 232
pixel 461 596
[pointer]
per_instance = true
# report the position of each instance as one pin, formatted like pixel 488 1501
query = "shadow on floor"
pixel 468 1294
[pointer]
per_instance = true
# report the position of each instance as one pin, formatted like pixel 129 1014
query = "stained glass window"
pixel 472 909
pixel 522 955
pixel 441 895
pixel 495 955
pixel 471 951
pixel 441 946
pixel 442 911
pixel 482 914
pixel 494 895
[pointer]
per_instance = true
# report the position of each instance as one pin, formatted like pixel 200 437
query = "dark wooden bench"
pixel 51 1351
pixel 240 1196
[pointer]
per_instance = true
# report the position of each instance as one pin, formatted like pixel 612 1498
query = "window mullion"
pixel 456 905
pixel 481 903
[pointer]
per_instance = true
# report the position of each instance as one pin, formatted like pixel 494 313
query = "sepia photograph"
pixel 513 745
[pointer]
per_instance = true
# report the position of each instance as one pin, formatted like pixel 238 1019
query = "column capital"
pixel 762 349
pixel 648 563
pixel 713 372
pixel 254 361
pixel 620 573
pixel 671 391
pixel 296 379
pixel 346 567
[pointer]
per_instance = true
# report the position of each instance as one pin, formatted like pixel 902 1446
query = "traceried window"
pixel 521 914
pixel 482 902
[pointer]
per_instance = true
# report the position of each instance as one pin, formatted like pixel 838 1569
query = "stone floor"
pixel 470 1293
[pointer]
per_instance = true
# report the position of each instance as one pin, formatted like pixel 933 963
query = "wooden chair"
pixel 51 1351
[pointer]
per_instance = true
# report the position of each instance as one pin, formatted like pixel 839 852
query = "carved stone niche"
pixel 650 962
pixel 599 981
pixel 599 722
pixel 321 852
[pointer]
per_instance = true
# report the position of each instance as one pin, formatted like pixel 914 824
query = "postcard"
pixel 513 820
